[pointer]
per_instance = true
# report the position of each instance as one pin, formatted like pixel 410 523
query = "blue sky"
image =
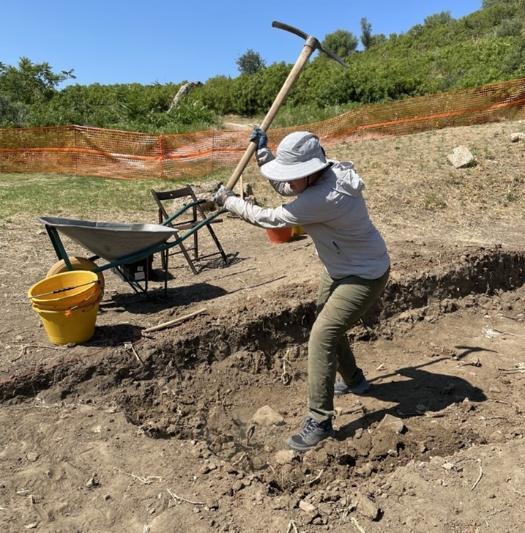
pixel 161 41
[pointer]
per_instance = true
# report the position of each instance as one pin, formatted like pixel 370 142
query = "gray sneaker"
pixel 311 434
pixel 340 387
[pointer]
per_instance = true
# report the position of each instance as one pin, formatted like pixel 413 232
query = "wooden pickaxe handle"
pixel 308 49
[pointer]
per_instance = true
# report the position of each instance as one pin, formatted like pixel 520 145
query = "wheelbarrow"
pixel 127 248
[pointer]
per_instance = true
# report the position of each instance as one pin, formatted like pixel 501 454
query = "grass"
pixel 53 194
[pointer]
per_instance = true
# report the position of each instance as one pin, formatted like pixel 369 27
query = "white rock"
pixel 266 416
pixel 515 137
pixel 307 507
pixel 393 423
pixel 461 157
pixel 284 457
pixel 366 506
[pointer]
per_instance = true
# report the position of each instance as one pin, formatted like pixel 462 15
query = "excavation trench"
pixel 205 382
pixel 212 403
pixel 275 324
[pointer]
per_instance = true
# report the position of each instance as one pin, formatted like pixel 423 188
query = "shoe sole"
pixel 350 391
pixel 298 448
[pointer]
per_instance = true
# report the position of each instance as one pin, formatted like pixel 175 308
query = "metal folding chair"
pixel 188 220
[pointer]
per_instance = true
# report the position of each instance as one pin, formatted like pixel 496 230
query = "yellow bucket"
pixel 65 290
pixel 67 304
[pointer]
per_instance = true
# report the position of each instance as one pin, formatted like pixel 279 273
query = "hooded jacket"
pixel 334 213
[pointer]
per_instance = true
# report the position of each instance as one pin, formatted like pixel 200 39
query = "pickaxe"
pixel 311 44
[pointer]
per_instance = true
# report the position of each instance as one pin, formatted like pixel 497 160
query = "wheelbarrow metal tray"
pixel 111 240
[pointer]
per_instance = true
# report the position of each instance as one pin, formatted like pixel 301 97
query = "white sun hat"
pixel 298 155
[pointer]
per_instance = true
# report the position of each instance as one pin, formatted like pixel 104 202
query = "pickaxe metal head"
pixel 310 40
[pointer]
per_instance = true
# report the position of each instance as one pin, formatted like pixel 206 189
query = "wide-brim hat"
pixel 298 155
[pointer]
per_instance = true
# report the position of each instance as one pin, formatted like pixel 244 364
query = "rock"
pixel 284 457
pixel 307 507
pixel 326 509
pixel 461 157
pixel 515 137
pixel 366 506
pixel 281 502
pixel 51 396
pixel 365 470
pixel 385 443
pixel 238 486
pixel 266 416
pixel 362 444
pixel 392 423
pixel 497 436
pixel 32 456
pixel 212 504
pixel 92 482
pixel 205 469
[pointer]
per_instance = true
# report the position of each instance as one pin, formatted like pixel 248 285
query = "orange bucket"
pixel 279 235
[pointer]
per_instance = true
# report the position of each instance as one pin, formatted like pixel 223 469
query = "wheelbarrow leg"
pixel 58 246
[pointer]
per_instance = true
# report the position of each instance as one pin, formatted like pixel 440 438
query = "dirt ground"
pixel 155 432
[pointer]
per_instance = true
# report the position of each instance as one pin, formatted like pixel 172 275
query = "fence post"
pixel 162 155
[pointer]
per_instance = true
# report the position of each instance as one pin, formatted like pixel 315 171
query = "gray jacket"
pixel 333 212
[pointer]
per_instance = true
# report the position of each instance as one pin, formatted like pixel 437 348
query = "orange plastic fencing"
pixel 87 151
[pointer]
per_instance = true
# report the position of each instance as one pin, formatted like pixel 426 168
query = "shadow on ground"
pixel 422 392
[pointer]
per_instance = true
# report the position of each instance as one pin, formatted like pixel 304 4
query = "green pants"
pixel 340 304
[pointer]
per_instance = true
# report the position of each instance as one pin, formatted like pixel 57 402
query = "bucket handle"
pixel 63 289
pixel 81 305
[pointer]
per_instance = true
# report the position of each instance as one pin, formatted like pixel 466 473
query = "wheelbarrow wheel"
pixel 78 263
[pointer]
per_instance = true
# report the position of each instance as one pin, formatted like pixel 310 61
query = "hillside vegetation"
pixel 441 54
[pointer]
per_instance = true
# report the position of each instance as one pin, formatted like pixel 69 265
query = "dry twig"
pixel 249 434
pixel 356 525
pixel 286 377
pixel 148 480
pixel 316 477
pixel 129 346
pixel 24 348
pixel 239 459
pixel 476 363
pixel 292 527
pixel 479 477
pixel 174 322
pixel 176 497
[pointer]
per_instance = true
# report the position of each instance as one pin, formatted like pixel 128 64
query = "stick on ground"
pixel 174 322
pixel 479 477
pixel 181 499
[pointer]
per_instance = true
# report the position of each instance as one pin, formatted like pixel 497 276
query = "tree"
pixel 341 42
pixel 250 62
pixel 366 33
pixel 439 18
pixel 377 39
pixel 30 82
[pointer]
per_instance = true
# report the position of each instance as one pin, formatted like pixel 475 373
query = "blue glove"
pixel 222 195
pixel 259 137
